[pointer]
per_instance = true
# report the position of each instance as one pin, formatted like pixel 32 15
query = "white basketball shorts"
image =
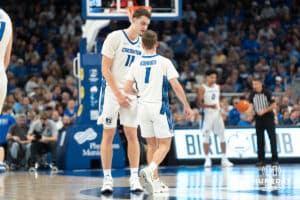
pixel 212 122
pixel 110 110
pixel 152 122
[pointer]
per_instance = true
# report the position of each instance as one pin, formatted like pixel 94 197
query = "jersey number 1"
pixel 148 70
pixel 213 96
pixel 2 28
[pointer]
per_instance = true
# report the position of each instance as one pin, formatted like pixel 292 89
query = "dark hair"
pixel 149 38
pixel 258 80
pixel 210 72
pixel 43 115
pixel 141 12
pixel 6 107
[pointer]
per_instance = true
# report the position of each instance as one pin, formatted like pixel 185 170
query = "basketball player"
pixel 151 74
pixel 119 50
pixel 209 101
pixel 6 37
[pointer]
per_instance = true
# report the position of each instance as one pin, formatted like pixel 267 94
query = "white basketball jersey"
pixel 211 96
pixel 123 51
pixel 5 35
pixel 149 73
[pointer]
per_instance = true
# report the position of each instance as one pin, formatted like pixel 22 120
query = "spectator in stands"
pixel 17 143
pixel 179 43
pixel 57 119
pixel 71 110
pixel 189 14
pixel 234 114
pixel 6 120
pixel 246 119
pixel 286 118
pixel 294 117
pixel 267 12
pixel 219 59
pixel 251 49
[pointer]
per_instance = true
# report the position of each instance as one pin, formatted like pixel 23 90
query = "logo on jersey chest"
pixel 131 51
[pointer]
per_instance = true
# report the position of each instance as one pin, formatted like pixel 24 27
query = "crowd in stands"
pixel 242 40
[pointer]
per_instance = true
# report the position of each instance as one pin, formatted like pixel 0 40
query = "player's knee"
pixel 107 136
pixel 152 147
pixel 132 139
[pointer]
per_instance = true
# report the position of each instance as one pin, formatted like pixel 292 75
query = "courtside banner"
pixel 241 143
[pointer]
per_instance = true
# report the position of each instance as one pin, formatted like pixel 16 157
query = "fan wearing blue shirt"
pixel 6 120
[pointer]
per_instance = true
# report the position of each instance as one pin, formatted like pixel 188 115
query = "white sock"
pixel 224 156
pixel 207 157
pixel 156 180
pixel 107 172
pixel 152 166
pixel 134 172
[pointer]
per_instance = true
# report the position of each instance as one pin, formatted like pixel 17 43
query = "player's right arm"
pixel 128 88
pixel 200 102
pixel 108 54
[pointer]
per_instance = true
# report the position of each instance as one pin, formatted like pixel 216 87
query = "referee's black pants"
pixel 262 124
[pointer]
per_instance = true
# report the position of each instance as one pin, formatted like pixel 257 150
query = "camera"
pixel 38 134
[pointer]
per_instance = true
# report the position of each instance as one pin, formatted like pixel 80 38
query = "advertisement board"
pixel 241 143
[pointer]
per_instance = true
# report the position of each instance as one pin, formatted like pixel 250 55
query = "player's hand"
pixel 213 106
pixel 123 101
pixel 188 112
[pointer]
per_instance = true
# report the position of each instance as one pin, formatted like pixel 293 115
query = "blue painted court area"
pixel 239 182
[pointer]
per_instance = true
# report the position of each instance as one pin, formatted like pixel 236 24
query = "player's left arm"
pixel 182 97
pixel 8 51
pixel 128 88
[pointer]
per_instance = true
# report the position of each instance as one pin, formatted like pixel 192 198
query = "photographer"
pixel 43 137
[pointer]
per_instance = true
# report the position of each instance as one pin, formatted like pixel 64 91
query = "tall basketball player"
pixel 119 50
pixel 152 73
pixel 211 121
pixel 6 37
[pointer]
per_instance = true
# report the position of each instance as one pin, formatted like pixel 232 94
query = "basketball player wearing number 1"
pixel 211 120
pixel 119 50
pixel 152 74
pixel 6 37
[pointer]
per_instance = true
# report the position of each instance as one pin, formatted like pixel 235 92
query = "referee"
pixel 263 106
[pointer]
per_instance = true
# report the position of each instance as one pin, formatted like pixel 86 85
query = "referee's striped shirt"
pixel 261 100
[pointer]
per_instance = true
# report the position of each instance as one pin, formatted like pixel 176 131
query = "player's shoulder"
pixel 164 60
pixel 115 34
pixel 4 14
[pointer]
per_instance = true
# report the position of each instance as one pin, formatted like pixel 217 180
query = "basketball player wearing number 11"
pixel 5 52
pixel 119 50
pixel 211 120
